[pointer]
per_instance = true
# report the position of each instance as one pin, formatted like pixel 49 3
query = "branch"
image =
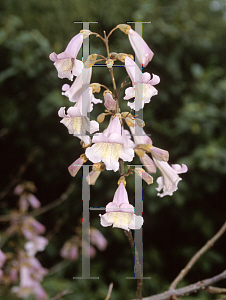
pixel 109 291
pixel 55 203
pixel 194 259
pixel 193 288
pixel 15 180
pixel 63 293
pixel 43 209
pixel 137 264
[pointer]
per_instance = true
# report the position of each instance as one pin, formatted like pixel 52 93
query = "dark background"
pixel 187 118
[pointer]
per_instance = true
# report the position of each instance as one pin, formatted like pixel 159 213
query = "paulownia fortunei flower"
pixel 142 89
pixel 66 63
pixel 111 145
pixel 120 213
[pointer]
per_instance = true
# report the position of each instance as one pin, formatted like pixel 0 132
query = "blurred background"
pixel 187 118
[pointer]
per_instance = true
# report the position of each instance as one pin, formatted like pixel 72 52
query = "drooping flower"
pixel 141 49
pixel 76 165
pixel 110 145
pixel 120 213
pixel 142 89
pixel 169 180
pixel 66 63
pixel 78 87
pixel 78 124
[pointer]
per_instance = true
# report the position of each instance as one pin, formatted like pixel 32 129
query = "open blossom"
pixel 78 87
pixel 120 213
pixel 37 244
pixel 142 89
pixel 31 273
pixel 170 178
pixel 141 49
pixel 78 124
pixel 111 145
pixel 66 63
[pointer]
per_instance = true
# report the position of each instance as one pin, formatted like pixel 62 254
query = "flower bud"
pixel 129 122
pixel 96 87
pixel 124 28
pixel 126 114
pixel 144 175
pixel 140 152
pixel 122 56
pixel 101 118
pixel 113 55
pixel 140 122
pixel 109 63
pixel 122 180
pixel 85 33
pixel 90 60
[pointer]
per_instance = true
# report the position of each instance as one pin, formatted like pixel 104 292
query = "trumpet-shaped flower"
pixel 78 124
pixel 120 213
pixel 78 87
pixel 141 49
pixel 169 180
pixel 142 89
pixel 111 145
pixel 66 63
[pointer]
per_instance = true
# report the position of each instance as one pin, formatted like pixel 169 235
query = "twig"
pixel 137 264
pixel 193 288
pixel 63 293
pixel 43 209
pixel 109 291
pixel 55 203
pixel 58 267
pixel 215 290
pixel 194 259
pixel 19 174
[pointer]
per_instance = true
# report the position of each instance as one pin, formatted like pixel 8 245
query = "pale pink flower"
pixel 169 179
pixel 148 163
pixel 31 227
pixel 78 124
pixel 37 244
pixel 110 145
pixel 109 102
pixel 76 166
pixel 66 63
pixel 97 239
pixel 26 198
pixel 141 49
pixel 120 213
pixel 142 89
pixel 2 258
pixel 69 250
pixel 144 175
pixel 139 135
pixel 78 87
pixel 92 177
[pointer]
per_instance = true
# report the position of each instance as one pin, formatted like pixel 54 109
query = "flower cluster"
pixel 116 145
pixel 23 264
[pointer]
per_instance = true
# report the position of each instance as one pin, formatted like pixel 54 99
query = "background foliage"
pixel 187 118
